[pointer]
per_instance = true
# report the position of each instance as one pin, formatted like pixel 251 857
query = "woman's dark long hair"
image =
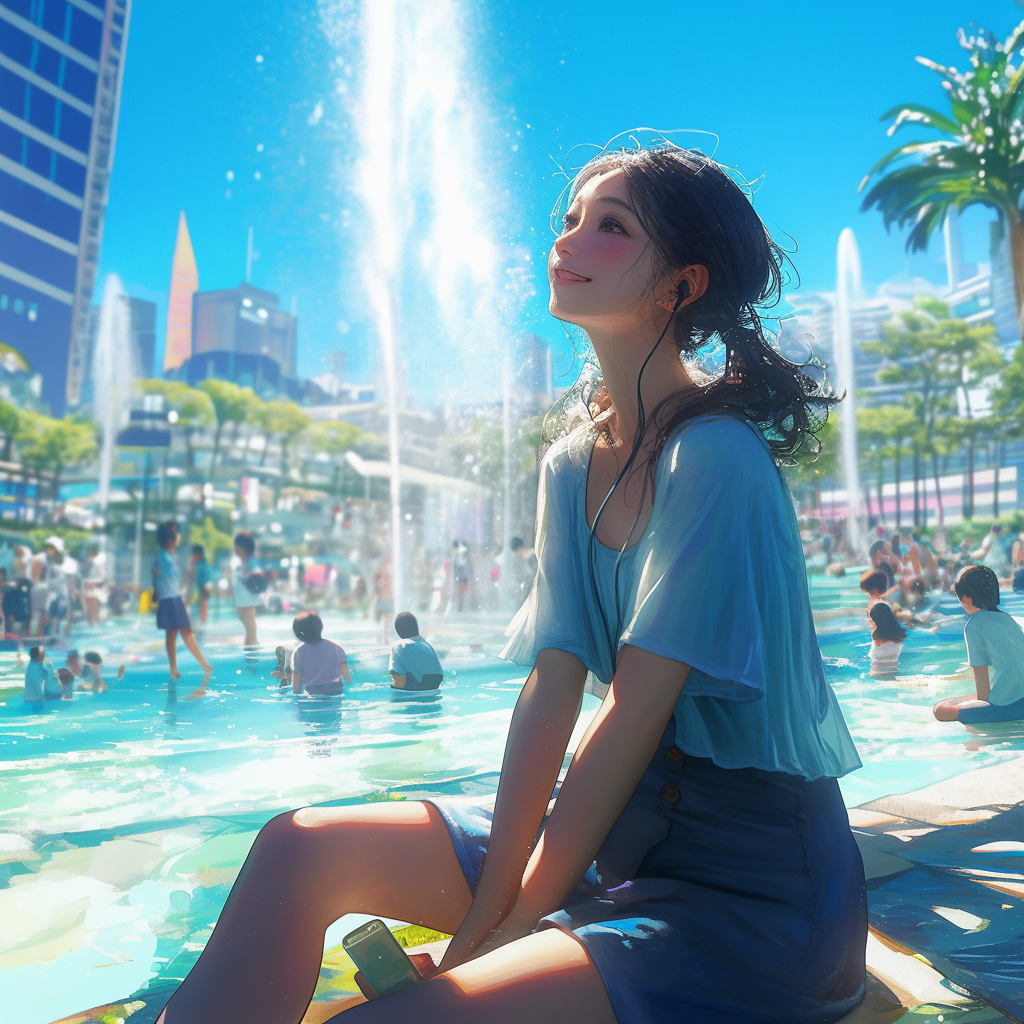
pixel 695 213
pixel 887 626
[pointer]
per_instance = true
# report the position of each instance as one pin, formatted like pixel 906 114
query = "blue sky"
pixel 794 90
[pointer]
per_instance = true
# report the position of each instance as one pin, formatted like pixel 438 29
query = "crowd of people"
pixel 42 592
pixel 905 571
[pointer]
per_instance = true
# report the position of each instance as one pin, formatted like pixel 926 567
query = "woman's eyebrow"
pixel 617 202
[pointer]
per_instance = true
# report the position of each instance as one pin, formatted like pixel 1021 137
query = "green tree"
pixel 918 353
pixel 285 421
pixel 333 438
pixel 194 409
pixel 10 425
pixel 978 158
pixel 811 469
pixel 55 445
pixel 231 404
pixel 872 438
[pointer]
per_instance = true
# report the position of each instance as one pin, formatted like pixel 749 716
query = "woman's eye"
pixel 612 225
pixel 568 221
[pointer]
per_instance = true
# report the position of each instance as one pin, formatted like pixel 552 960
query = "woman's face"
pixel 601 267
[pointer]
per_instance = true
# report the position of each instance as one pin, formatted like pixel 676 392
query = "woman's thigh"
pixel 393 860
pixel 545 978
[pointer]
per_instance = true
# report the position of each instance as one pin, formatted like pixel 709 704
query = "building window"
pixel 19 306
pixel 33 311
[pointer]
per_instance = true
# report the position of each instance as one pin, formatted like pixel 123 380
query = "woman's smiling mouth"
pixel 568 277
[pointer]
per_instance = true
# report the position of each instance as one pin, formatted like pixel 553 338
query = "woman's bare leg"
pixel 189 639
pixel 306 869
pixel 545 978
pixel 172 653
pixel 248 617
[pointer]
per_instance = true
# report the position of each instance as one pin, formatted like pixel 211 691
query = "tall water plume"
pixel 112 376
pixel 847 272
pixel 430 263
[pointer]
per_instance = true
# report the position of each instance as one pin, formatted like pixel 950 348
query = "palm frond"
pixel 918 113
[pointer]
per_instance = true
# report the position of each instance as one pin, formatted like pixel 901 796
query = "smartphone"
pixel 376 952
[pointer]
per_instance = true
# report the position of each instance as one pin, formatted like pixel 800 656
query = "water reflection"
pixel 320 718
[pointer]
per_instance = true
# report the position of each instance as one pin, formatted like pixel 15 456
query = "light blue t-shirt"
pixel 717 582
pixel 167 582
pixel 995 639
pixel 414 657
pixel 41 682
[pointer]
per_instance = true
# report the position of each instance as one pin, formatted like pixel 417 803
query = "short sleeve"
pixel 715 562
pixel 342 656
pixel 722 588
pixel 560 611
pixel 395 663
pixel 297 658
pixel 977 647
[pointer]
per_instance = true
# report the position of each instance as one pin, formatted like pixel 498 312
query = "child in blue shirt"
pixel 41 681
pixel 170 613
pixel 995 651
pixel 414 664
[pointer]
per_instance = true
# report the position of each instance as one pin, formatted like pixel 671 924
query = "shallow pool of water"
pixel 125 816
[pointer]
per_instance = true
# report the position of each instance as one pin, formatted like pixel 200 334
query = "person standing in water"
pixel 247 600
pixel 698 863
pixel 171 614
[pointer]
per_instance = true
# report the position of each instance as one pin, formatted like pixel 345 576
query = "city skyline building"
pixel 61 70
pixel 184 285
pixel 247 321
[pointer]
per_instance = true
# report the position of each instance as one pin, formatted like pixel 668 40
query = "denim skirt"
pixel 171 614
pixel 720 896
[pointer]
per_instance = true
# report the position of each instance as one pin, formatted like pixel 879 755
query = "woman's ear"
pixel 690 284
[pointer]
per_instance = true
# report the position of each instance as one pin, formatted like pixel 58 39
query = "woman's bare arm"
pixel 346 675
pixel 541 726
pixel 605 771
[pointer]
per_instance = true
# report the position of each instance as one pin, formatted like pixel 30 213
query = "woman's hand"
pixel 543 721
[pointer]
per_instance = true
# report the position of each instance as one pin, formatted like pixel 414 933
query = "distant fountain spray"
pixel 430 261
pixel 112 377
pixel 847 272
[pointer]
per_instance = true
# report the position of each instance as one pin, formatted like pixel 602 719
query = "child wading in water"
pixel 888 636
pixel 995 650
pixel 171 614
pixel 319 666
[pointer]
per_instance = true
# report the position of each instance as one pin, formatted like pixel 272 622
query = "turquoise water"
pixel 125 816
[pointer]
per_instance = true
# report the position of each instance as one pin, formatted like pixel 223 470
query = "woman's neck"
pixel 621 358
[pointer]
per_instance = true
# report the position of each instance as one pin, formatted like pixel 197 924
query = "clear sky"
pixel 794 90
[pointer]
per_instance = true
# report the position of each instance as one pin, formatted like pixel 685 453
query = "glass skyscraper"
pixel 61 65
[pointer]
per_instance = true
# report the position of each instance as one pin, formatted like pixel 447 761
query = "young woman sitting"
pixel 698 864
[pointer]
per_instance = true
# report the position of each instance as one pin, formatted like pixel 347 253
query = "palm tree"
pixel 977 160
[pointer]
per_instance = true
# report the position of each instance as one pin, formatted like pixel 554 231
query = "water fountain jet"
pixel 847 272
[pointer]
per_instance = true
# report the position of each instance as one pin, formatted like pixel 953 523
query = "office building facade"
pixel 61 67
pixel 245 321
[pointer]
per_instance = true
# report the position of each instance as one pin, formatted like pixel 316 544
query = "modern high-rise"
pixel 61 66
